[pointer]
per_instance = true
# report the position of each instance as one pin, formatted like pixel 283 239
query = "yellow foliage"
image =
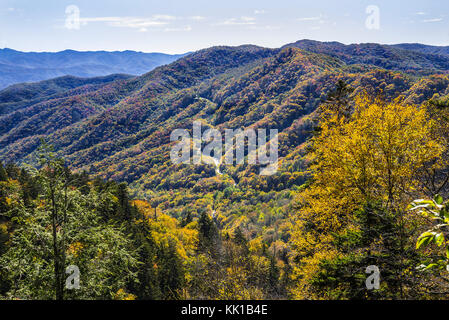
pixel 373 155
pixel 121 294
pixel 376 153
pixel 309 267
pixel 255 245
pixel 233 286
pixel 165 229
pixel 75 248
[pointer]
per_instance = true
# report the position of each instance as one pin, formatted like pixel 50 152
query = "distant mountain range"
pixel 423 48
pixel 404 57
pixel 17 67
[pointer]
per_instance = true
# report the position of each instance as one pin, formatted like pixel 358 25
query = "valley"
pixel 117 128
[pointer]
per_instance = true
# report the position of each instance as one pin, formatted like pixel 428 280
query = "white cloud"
pixel 267 28
pixel 318 19
pixel 163 17
pixel 433 20
pixel 259 11
pixel 10 10
pixel 420 13
pixel 132 22
pixel 181 29
pixel 310 18
pixel 239 21
pixel 160 22
pixel 197 18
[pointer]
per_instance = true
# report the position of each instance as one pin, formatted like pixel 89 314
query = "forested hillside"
pixel 362 134
pixel 404 57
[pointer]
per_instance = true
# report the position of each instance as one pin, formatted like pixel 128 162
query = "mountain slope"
pixel 423 48
pixel 397 57
pixel 25 94
pixel 17 67
pixel 131 111
pixel 121 129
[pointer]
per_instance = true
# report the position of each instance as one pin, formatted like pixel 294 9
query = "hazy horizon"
pixel 243 44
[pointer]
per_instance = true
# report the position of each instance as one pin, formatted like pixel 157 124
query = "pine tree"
pixel 380 240
pixel 273 278
pixel 66 228
pixel 338 100
pixel 208 236
pixel 170 272
pixel 147 287
pixel 3 173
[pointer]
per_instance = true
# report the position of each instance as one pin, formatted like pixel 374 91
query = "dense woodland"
pixel 125 249
pixel 363 180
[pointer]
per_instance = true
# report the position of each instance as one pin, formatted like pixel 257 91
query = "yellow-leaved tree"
pixel 372 155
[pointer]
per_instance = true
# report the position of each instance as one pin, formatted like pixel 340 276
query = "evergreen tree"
pixel 380 240
pixel 273 278
pixel 208 236
pixel 3 173
pixel 170 272
pixel 338 100
pixel 65 229
pixel 147 286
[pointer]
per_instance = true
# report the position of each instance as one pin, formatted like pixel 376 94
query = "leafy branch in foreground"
pixel 438 211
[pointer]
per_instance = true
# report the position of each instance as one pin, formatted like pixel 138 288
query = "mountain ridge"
pixel 17 67
pixel 111 128
pixel 391 57
pixel 119 129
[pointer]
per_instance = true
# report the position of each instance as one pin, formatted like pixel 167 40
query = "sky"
pixel 175 26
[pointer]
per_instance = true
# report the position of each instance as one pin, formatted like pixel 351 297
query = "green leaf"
pixel 430 266
pixel 421 204
pixel 438 199
pixel 423 267
pixel 444 214
pixel 439 239
pixel 425 239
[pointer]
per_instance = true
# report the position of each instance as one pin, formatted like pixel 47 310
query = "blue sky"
pixel 175 26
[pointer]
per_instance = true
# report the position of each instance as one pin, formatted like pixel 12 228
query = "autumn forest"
pixel 87 187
